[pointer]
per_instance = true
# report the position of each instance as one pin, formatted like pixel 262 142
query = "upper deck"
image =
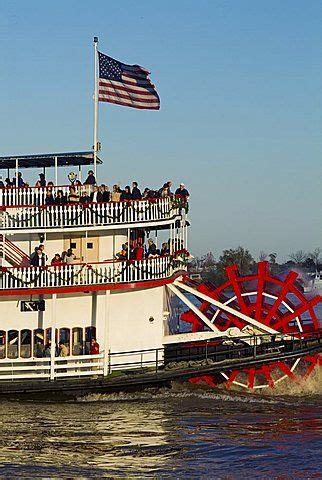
pixel 52 206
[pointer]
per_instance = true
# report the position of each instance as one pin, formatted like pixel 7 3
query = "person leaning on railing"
pixel 73 196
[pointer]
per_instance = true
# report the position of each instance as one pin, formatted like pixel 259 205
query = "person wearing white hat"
pixel 182 192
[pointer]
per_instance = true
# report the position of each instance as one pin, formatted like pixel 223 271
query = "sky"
pixel 240 120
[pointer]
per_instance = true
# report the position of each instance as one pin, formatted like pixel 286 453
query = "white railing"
pixel 90 274
pixel 90 214
pixel 45 368
pixel 77 366
pixel 21 196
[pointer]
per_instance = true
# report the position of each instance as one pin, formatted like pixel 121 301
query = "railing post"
pixel 156 360
pixel 255 345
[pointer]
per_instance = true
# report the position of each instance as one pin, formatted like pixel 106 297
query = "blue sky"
pixel 240 120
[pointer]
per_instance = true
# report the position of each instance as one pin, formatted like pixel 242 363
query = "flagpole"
pixel 95 147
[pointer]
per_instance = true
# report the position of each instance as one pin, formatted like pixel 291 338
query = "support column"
pixel 94 309
pixel 107 332
pixel 53 336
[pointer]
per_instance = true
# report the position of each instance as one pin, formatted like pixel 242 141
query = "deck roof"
pixel 48 160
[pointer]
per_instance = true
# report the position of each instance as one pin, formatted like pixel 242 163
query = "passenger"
pixel 42 181
pixel 139 251
pixel 8 182
pixel 38 260
pixel 95 348
pixel 60 198
pixel 63 256
pixel 47 351
pixel 40 351
pixel 63 350
pixel 165 192
pixel 116 194
pixel 51 185
pixel 126 193
pixel 42 248
pixel 122 254
pixel 70 257
pixel 152 249
pixel 73 197
pixel 106 194
pixel 146 194
pixel 1 182
pixel 165 250
pixel 84 199
pixel 136 193
pixel 96 195
pixel 20 182
pixel 90 180
pixel 56 260
pixel 49 198
pixel 182 192
pixel 33 255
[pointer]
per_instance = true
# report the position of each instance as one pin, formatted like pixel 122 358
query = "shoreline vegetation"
pixel 307 264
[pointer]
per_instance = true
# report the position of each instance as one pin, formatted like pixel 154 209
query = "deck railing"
pixel 89 214
pixel 20 196
pixel 99 273
pixel 77 366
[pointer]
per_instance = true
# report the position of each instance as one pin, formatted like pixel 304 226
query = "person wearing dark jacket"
pixel 90 180
pixel 42 181
pixel 60 199
pixel 182 192
pixel 96 195
pixel 105 194
pixel 38 260
pixel 152 249
pixel 49 198
pixel 126 193
pixel 136 193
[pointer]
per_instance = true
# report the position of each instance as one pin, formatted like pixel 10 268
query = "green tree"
pixel 240 257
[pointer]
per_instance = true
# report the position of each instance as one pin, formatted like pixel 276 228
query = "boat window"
pixel 25 343
pixel 48 335
pixel 64 336
pixel 2 344
pixel 77 345
pixel 90 332
pixel 39 343
pixel 12 345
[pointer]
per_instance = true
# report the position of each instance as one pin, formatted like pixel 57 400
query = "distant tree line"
pixel 214 270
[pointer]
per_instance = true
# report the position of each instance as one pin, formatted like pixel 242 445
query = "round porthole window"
pixel 151 319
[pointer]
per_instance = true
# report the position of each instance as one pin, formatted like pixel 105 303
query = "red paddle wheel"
pixel 274 302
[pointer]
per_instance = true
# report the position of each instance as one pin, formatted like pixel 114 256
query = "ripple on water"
pixel 187 431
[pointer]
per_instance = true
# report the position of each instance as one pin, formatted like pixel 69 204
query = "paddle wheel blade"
pixel 274 303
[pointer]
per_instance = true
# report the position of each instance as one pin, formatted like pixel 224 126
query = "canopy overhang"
pixel 48 160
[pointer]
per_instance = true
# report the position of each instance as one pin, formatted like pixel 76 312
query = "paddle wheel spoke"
pixel 276 304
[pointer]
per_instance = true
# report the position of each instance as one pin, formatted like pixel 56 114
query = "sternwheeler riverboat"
pixel 149 322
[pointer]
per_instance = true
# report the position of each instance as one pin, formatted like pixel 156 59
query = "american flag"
pixel 127 85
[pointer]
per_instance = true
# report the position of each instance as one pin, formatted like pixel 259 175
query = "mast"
pixel 95 146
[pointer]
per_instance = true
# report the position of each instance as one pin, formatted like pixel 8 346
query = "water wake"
pixel 309 387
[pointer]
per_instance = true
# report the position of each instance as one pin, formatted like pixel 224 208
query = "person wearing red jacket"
pixel 95 348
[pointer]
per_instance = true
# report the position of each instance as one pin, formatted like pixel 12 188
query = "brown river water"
pixel 185 432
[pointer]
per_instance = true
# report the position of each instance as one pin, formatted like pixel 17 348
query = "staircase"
pixel 9 252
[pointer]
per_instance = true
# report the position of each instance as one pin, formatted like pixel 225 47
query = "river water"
pixel 185 432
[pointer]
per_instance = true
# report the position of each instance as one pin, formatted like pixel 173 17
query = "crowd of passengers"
pixel 39 257
pixel 96 193
pixel 62 350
